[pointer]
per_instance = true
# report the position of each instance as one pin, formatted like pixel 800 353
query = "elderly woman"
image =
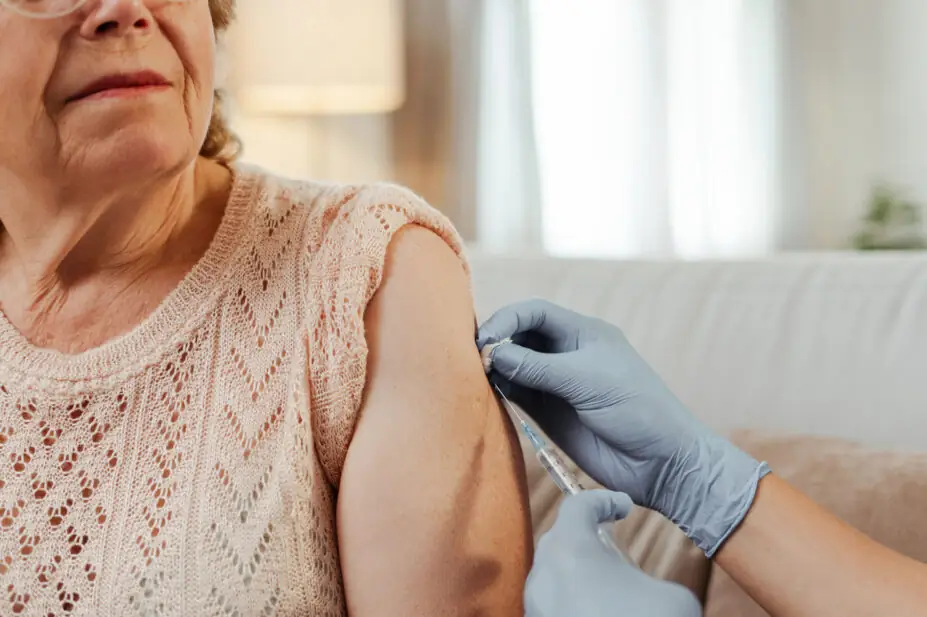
pixel 223 393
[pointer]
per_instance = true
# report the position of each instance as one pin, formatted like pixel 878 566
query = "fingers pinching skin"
pixel 539 316
pixel 529 368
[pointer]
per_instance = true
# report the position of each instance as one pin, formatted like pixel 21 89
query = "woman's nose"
pixel 116 18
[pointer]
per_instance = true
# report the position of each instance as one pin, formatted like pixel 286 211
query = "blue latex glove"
pixel 590 391
pixel 575 575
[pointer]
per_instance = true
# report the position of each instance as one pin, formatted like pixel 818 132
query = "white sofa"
pixel 812 353
pixel 830 344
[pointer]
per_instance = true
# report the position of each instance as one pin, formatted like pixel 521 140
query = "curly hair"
pixel 221 143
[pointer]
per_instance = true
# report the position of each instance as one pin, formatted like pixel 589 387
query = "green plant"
pixel 892 223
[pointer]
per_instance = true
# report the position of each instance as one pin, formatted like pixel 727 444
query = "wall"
pixel 855 104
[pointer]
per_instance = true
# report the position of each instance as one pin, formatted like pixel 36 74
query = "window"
pixel 656 125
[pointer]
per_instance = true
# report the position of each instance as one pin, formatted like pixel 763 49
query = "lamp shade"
pixel 307 57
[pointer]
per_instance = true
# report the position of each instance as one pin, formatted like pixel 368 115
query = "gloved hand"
pixel 590 391
pixel 575 575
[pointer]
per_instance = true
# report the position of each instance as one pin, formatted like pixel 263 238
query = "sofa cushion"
pixel 853 482
pixel 651 540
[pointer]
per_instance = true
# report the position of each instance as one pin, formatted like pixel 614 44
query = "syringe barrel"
pixel 556 468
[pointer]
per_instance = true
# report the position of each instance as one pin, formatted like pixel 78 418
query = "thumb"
pixel 588 509
pixel 528 368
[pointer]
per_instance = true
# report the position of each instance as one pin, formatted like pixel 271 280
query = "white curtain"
pixel 630 128
pixel 508 188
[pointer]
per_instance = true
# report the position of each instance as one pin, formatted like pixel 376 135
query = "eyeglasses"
pixel 48 9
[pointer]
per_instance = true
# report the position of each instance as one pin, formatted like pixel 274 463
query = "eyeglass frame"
pixel 78 4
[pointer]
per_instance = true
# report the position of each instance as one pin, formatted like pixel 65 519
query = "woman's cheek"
pixel 25 70
pixel 193 39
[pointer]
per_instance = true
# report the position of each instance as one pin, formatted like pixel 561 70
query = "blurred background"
pixel 604 128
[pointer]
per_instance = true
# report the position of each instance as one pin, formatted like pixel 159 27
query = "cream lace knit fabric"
pixel 188 467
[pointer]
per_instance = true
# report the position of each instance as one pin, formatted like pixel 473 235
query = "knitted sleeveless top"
pixel 189 467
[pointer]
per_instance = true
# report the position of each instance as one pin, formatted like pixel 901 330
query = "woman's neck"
pixel 47 237
pixel 58 259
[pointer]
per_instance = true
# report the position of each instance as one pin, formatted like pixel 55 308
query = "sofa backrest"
pixel 815 344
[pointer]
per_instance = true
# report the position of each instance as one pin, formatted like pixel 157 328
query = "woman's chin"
pixel 130 152
pixel 127 159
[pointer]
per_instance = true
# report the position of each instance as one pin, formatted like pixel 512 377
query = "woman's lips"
pixel 121 85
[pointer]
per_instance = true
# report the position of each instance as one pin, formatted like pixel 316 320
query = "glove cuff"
pixel 716 491
pixel 738 512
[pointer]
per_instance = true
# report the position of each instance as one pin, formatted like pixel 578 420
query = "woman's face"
pixel 118 90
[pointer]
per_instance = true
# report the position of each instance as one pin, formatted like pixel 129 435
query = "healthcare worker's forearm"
pixel 797 560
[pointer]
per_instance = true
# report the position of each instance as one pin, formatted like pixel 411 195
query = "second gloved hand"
pixel 575 575
pixel 591 392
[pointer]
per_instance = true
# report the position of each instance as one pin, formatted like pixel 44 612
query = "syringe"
pixel 553 464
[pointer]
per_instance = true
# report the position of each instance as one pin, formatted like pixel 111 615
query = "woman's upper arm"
pixel 432 507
